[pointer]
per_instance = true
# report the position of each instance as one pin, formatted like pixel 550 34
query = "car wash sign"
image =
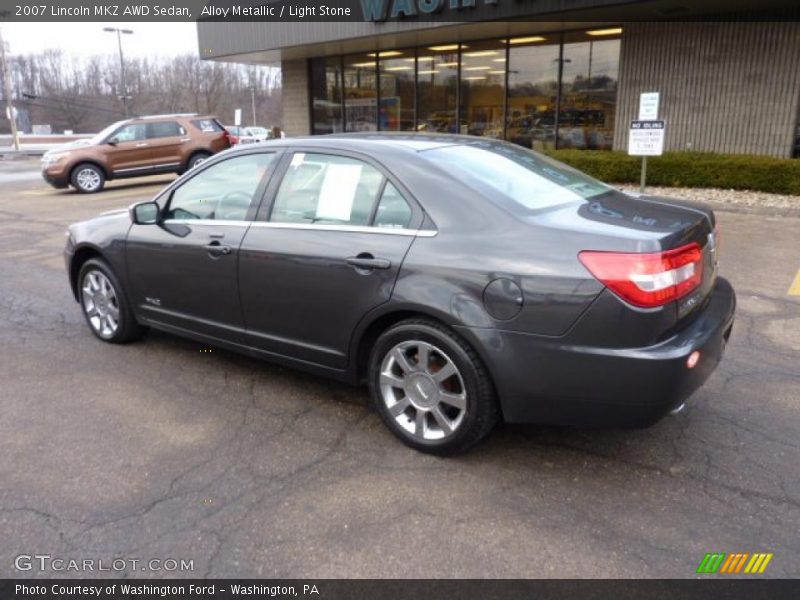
pixel 382 10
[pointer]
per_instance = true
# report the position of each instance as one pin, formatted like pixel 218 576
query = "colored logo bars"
pixel 719 562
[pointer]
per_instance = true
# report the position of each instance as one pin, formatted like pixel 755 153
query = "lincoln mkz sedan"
pixel 465 281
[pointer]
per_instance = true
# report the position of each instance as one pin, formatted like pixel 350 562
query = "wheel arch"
pixel 370 330
pixel 82 254
pixel 92 162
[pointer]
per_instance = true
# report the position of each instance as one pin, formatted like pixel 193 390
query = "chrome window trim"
pixel 306 226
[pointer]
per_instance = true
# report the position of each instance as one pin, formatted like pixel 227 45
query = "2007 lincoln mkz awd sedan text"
pixel 465 280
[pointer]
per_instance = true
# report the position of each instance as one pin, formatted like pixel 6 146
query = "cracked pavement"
pixel 157 450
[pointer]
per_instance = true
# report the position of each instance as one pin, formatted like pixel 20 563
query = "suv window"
pixel 327 189
pixel 135 132
pixel 207 125
pixel 393 210
pixel 164 129
pixel 222 192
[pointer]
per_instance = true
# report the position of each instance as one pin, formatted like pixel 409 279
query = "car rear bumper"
pixel 541 380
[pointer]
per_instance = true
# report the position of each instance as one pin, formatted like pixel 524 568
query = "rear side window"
pixel 208 125
pixel 327 190
pixel 393 211
pixel 164 129
pixel 529 180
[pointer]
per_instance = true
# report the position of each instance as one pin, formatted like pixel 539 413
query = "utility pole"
pixel 11 111
pixel 253 103
pixel 124 91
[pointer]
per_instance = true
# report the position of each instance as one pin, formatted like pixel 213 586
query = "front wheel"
pixel 88 178
pixel 430 388
pixel 104 304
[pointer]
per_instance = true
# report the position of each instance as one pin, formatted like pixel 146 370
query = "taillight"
pixel 651 279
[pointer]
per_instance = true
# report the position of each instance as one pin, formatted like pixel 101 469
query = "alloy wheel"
pixel 100 303
pixel 423 390
pixel 88 179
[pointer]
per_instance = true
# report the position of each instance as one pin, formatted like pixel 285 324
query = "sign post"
pixel 646 136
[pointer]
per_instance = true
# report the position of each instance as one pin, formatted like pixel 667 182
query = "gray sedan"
pixel 464 280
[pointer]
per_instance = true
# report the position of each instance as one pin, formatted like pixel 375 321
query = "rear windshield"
pixel 208 125
pixel 525 178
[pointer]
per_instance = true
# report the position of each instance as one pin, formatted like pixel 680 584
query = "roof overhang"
pixel 269 42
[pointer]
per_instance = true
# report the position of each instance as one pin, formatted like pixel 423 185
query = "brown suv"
pixel 133 148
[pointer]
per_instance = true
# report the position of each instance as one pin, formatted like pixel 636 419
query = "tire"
pixel 105 305
pixel 196 159
pixel 445 414
pixel 88 178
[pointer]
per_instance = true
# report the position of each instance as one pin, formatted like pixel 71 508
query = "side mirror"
pixel 113 141
pixel 146 213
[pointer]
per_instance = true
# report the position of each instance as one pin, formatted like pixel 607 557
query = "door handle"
pixel 144 145
pixel 368 262
pixel 217 250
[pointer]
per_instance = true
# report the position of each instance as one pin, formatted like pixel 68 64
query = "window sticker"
pixel 298 159
pixel 338 192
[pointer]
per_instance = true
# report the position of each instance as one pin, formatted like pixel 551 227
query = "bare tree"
pixel 83 95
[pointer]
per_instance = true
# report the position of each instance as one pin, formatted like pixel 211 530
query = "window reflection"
pixel 360 93
pixel 483 82
pixel 532 94
pixel 326 95
pixel 588 94
pixel 437 88
pixel 397 92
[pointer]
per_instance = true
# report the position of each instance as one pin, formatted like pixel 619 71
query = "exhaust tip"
pixel 677 410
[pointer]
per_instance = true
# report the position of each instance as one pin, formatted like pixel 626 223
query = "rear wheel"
pixel 430 388
pixel 104 304
pixel 197 159
pixel 88 178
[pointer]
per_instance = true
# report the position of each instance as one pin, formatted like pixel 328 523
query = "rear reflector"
pixel 693 359
pixel 648 280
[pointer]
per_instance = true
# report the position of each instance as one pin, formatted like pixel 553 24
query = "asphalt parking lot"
pixel 159 450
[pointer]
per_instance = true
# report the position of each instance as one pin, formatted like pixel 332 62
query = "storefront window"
pixel 532 91
pixel 589 90
pixel 360 92
pixel 483 88
pixel 326 95
pixel 437 88
pixel 540 91
pixel 398 98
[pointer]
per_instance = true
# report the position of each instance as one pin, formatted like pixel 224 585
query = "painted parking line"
pixel 794 290
pixel 109 193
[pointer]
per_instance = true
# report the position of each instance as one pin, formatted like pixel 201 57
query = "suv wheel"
pixel 105 305
pixel 88 179
pixel 197 159
pixel 430 388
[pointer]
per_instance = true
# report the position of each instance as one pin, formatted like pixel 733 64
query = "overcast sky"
pixel 86 39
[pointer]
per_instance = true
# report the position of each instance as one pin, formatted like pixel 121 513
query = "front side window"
pixel 164 129
pixel 222 192
pixel 132 133
pixel 528 180
pixel 327 190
